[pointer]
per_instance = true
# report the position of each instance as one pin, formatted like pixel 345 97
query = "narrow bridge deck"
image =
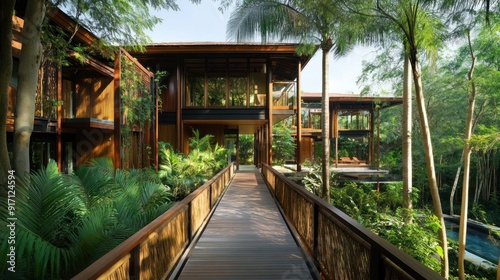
pixel 246 237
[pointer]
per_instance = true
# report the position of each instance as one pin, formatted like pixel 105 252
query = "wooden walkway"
pixel 246 237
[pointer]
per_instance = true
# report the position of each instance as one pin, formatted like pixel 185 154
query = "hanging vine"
pixel 137 108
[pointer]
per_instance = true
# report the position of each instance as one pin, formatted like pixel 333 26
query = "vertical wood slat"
pixel 340 247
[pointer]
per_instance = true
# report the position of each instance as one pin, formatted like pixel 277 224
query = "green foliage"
pixel 246 143
pixel 65 222
pixel 418 239
pixel 283 144
pixel 117 22
pixel 381 213
pixel 184 173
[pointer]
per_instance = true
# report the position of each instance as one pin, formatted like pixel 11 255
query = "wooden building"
pixel 352 127
pixel 225 89
pixel 80 109
pixel 228 89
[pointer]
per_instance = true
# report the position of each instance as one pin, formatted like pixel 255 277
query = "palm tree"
pixel 420 31
pixel 308 22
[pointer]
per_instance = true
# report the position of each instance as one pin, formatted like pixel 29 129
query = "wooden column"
pixel 179 122
pixel 59 120
pixel 117 112
pixel 372 137
pixel 255 139
pixel 335 130
pixel 154 87
pixel 298 156
pixel 269 130
pixel 238 150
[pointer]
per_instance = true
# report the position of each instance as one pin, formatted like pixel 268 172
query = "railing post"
pixel 135 263
pixel 315 234
pixel 189 222
pixel 377 270
pixel 210 194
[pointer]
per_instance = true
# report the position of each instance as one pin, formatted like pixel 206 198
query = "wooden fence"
pixel 153 252
pixel 340 247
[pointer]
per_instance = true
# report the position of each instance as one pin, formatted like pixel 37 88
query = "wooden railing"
pixel 153 252
pixel 340 247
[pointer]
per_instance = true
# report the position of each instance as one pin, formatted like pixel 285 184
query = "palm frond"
pixel 271 19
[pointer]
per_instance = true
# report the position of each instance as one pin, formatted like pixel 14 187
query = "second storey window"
pixel 216 83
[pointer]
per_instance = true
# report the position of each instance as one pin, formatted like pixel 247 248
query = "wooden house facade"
pixel 353 128
pixel 80 114
pixel 225 89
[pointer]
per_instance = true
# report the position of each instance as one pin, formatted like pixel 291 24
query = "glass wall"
pixel 284 93
pixel 225 83
pixel 311 118
pixel 354 120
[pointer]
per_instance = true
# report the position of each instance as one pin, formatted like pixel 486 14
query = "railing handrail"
pixel 404 261
pixel 104 263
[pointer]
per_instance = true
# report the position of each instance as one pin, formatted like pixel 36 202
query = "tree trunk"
pixel 29 63
pixel 6 12
pixel 429 159
pixel 325 115
pixel 407 128
pixel 462 233
pixel 455 183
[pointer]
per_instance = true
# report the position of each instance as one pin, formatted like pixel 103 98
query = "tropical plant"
pixel 418 239
pixel 246 149
pixel 123 22
pixel 420 31
pixel 65 222
pixel 283 144
pixel 184 173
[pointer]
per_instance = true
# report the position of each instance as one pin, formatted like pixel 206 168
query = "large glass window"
pixel 284 93
pixel 195 90
pixel 238 91
pixel 354 120
pixel 316 120
pixel 216 91
pixel 225 82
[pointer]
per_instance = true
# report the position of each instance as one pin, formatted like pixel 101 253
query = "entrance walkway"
pixel 246 237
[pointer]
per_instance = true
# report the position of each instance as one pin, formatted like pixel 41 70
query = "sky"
pixel 205 23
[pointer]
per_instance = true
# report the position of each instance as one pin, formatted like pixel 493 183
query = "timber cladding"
pixel 94 98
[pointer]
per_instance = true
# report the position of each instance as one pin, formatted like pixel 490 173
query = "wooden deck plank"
pixel 246 238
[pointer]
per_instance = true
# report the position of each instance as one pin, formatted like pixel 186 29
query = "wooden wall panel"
pixel 306 148
pixel 67 107
pixel 167 133
pixel 169 95
pixel 103 99
pixel 83 89
pixel 93 143
pixel 94 98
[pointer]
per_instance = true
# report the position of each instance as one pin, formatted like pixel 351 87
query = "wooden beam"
pixel 269 130
pixel 299 118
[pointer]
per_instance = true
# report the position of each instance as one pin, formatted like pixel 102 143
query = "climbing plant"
pixel 137 108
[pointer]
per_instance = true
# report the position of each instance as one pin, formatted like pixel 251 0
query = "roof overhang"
pixel 283 55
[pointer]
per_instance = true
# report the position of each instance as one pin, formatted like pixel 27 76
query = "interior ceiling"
pixel 244 126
